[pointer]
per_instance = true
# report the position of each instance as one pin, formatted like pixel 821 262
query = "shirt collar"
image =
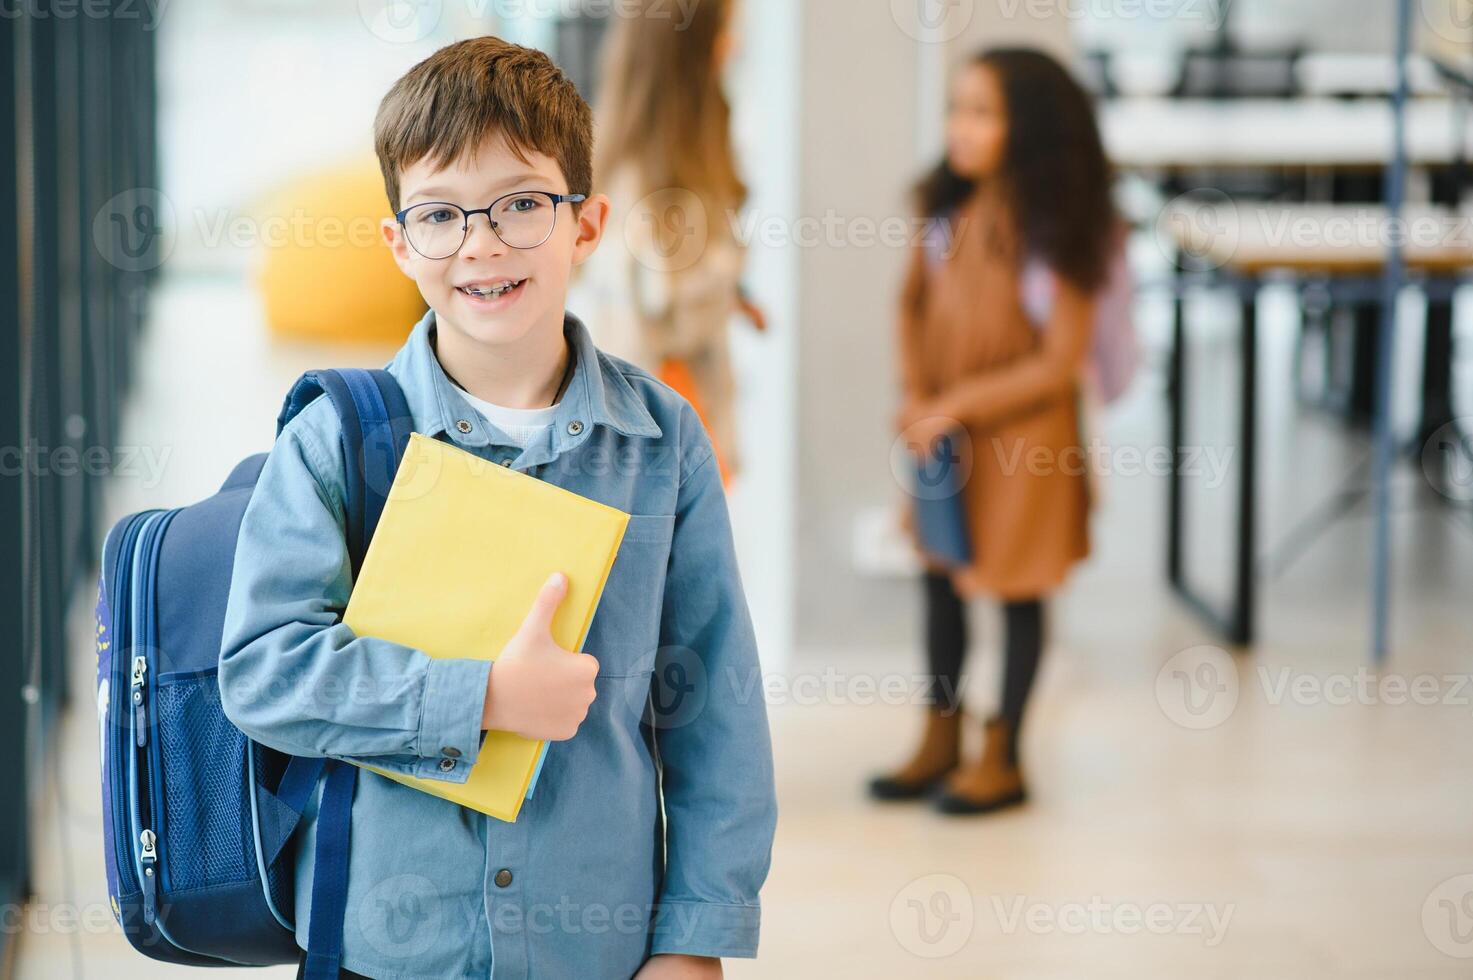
pixel 597 394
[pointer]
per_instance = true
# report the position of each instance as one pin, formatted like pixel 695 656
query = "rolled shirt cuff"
pixel 450 721
pixel 706 929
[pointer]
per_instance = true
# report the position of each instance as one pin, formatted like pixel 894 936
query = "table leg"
pixel 1238 623
pixel 1176 433
pixel 1437 367
pixel 1241 626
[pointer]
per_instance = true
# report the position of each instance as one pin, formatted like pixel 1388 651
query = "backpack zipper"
pixel 150 860
pixel 148 855
pixel 122 621
pixel 140 709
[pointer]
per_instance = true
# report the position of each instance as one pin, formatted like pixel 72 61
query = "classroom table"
pixel 1362 73
pixel 1239 247
pixel 1162 134
pixel 1165 137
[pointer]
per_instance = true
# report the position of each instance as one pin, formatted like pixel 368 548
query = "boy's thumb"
pixel 544 607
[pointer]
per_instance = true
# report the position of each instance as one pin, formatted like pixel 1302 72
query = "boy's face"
pixel 458 288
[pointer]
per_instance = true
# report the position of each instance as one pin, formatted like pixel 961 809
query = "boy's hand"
pixel 538 689
pixel 672 966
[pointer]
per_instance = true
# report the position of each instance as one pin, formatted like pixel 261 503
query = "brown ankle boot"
pixel 993 782
pixel 939 753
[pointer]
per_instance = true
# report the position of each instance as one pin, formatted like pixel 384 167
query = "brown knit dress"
pixel 969 351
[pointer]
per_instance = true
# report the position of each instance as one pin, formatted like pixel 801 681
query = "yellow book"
pixel 462 548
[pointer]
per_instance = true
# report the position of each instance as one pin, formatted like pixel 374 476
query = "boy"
pixel 644 848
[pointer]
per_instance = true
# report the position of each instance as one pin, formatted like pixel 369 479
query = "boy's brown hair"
pixel 446 105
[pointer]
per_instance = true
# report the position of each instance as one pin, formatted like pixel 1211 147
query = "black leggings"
pixel 946 647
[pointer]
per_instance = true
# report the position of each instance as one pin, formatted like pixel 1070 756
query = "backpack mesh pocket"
pixel 206 809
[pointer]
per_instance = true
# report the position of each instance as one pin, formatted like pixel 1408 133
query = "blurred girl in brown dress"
pixel 1024 177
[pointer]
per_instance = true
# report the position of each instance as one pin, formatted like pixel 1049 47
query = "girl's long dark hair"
pixel 1054 170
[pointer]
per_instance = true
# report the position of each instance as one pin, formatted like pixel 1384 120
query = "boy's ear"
pixel 593 215
pixel 393 234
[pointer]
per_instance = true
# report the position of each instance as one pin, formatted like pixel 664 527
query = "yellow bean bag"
pixel 324 270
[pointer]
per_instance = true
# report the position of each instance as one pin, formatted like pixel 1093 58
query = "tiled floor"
pixel 1193 815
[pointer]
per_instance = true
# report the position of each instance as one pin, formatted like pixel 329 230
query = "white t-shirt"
pixel 521 424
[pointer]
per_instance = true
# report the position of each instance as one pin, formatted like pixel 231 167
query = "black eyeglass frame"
pixel 465 225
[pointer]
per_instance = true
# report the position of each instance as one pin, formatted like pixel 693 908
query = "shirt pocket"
pixel 625 632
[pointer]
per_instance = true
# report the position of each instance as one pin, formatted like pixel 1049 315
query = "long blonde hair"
pixel 660 108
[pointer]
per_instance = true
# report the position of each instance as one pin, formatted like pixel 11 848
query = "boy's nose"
pixel 480 239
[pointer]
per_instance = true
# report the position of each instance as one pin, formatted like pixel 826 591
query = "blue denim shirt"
pixel 595 875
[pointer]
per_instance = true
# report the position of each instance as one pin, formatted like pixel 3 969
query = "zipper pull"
pixel 140 710
pixel 150 862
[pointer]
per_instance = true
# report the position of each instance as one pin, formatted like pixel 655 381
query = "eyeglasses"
pixel 522 219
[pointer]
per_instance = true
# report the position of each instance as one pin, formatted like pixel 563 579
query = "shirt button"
pixel 451 752
pixel 446 765
pixel 503 878
pixel 463 425
pixel 575 427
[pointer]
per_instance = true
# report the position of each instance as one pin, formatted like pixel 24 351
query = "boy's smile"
pixel 492 295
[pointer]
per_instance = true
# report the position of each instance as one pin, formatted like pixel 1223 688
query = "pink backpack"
pixel 1114 348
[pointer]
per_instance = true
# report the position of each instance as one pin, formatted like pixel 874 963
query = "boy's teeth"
pixel 493 291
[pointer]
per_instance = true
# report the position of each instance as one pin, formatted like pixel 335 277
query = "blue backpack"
pixel 198 819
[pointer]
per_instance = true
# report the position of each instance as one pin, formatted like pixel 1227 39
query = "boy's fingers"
pixel 544 607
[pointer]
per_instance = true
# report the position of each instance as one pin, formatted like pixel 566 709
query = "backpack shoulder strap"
pixel 376 423
pixel 330 873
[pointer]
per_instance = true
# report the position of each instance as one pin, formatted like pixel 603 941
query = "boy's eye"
pixel 523 204
pixel 434 215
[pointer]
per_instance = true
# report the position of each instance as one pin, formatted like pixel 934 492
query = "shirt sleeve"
pixel 292 675
pixel 711 734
